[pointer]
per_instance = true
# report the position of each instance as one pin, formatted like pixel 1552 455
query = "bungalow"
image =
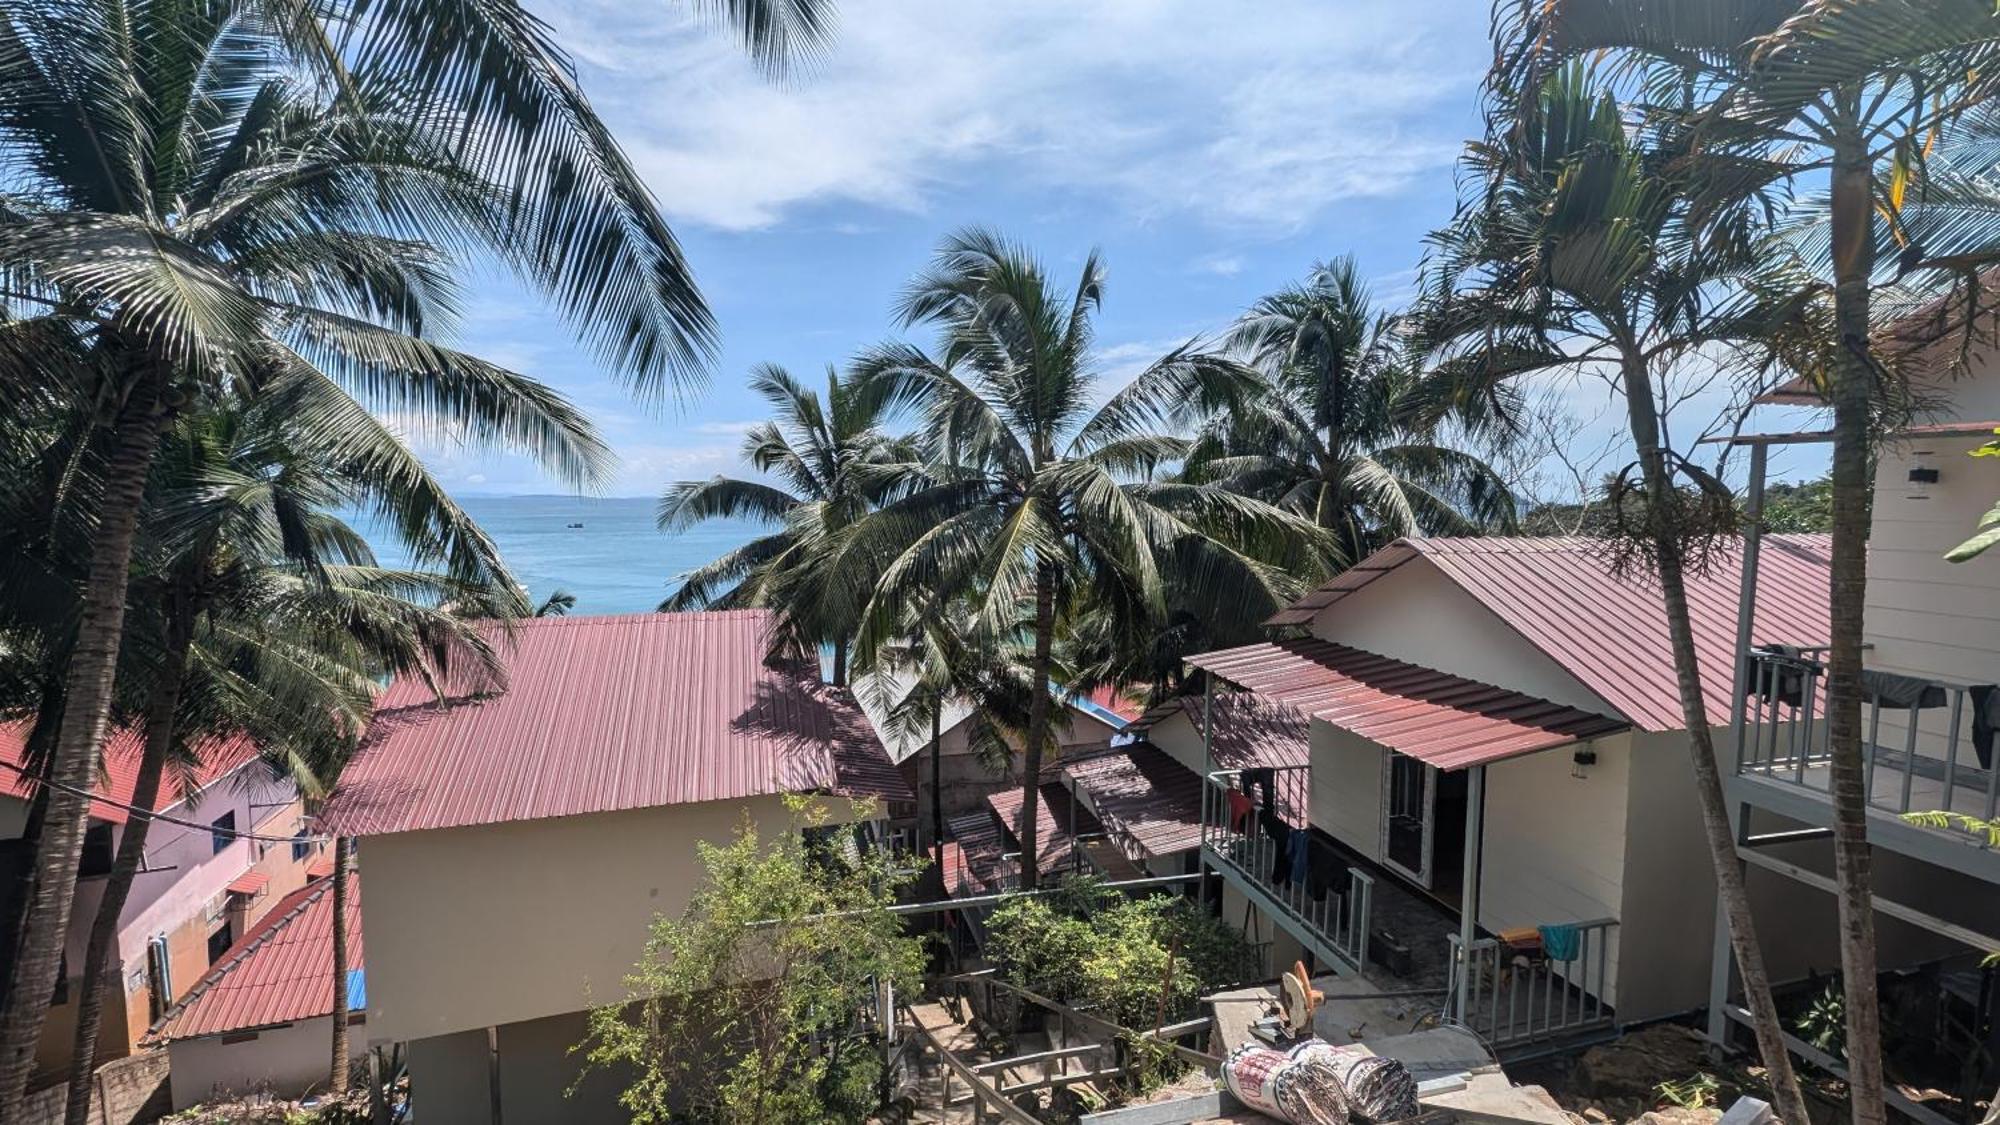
pixel 520 844
pixel 1495 724
pixel 262 1018
pixel 212 870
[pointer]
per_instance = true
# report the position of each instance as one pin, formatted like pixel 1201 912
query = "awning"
pixel 321 868
pixel 249 884
pixel 1148 802
pixel 1055 831
pixel 1448 721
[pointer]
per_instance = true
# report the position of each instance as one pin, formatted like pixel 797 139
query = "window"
pixel 219 943
pixel 302 845
pixel 96 851
pixel 223 831
pixel 159 967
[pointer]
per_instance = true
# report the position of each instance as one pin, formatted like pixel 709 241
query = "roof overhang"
pixel 1444 720
pixel 1807 437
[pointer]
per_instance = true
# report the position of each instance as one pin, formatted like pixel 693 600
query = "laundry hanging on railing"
pixel 1241 809
pixel 1780 680
pixel 1326 871
pixel 1561 942
pixel 1893 689
pixel 1985 722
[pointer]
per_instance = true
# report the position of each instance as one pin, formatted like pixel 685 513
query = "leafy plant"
pixel 1824 1022
pixel 1942 818
pixel 1698 1091
pixel 1989 524
pixel 750 997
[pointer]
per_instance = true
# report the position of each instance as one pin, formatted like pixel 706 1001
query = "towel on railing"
pixel 1325 871
pixel 1301 848
pixel 1262 780
pixel 1893 689
pixel 1562 942
pixel 1241 808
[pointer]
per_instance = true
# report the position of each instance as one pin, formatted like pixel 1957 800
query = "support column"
pixel 1207 767
pixel 1468 920
pixel 1722 958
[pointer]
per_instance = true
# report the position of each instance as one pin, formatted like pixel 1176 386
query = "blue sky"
pixel 1212 151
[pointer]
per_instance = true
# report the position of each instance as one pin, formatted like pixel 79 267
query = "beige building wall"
pixel 1347 788
pixel 288 1060
pixel 1418 614
pixel 470 928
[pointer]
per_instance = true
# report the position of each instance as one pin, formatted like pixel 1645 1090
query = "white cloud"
pixel 1221 265
pixel 1244 118
pixel 734 429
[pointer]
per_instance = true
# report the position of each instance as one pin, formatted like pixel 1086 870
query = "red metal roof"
pixel 1609 630
pixel 249 883
pixel 972 857
pixel 1059 819
pixel 1249 730
pixel 1115 700
pixel 120 776
pixel 608 713
pixel 1449 721
pixel 1147 801
pixel 279 972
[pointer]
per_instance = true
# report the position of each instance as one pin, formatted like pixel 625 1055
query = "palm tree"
pixel 1772 93
pixel 1340 438
pixel 1573 255
pixel 557 604
pixel 1040 502
pixel 237 518
pixel 221 193
pixel 834 462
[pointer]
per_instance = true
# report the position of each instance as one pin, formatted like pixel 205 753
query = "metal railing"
pixel 1920 764
pixel 1247 845
pixel 1518 998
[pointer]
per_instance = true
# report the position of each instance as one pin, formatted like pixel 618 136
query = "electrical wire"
pixel 163 818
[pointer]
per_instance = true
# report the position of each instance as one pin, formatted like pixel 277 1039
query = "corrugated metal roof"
pixel 1059 819
pixel 120 776
pixel 1449 721
pixel 1609 630
pixel 608 713
pixel 1249 730
pixel 972 857
pixel 277 973
pixel 1147 801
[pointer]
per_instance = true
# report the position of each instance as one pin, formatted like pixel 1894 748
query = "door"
pixel 1410 810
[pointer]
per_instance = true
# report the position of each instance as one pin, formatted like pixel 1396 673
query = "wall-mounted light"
pixel 1922 475
pixel 1585 757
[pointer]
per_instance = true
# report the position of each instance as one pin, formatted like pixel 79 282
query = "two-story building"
pixel 204 882
pixel 519 844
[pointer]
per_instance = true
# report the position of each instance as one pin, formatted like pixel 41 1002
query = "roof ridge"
pixel 268 927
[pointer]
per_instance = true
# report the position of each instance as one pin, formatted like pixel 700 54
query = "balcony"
pixel 1921 740
pixel 1523 991
pixel 1236 840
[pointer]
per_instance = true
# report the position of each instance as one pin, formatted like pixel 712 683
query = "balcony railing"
pixel 1518 997
pixel 1235 837
pixel 1919 736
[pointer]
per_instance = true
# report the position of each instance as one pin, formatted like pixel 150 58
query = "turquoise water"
pixel 617 562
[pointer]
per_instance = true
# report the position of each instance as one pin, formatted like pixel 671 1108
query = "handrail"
pixel 1339 924
pixel 1552 999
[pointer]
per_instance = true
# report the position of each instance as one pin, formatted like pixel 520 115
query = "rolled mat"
pixel 1303 1091
pixel 1378 1089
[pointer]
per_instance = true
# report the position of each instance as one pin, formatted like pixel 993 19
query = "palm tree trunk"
pixel 1730 883
pixel 42 736
pixel 937 775
pixel 88 686
pixel 343 859
pixel 840 662
pixel 1853 252
pixel 1038 722
pixel 161 711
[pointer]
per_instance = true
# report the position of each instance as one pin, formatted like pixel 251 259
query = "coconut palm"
pixel 1774 93
pixel 1342 436
pixel 1573 256
pixel 1040 502
pixel 244 577
pixel 833 462
pixel 216 194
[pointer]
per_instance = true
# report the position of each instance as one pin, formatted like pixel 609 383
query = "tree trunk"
pixel 161 711
pixel 1038 723
pixel 343 859
pixel 840 662
pixel 42 736
pixel 937 775
pixel 1730 884
pixel 88 686
pixel 1853 232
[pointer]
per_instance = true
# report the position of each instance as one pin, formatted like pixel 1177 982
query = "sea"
pixel 606 551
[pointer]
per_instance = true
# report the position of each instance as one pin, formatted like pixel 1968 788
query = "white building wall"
pixel 1554 843
pixel 1347 788
pixel 1418 614
pixel 287 1061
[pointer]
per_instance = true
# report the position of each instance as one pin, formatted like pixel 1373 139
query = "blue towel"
pixel 1301 847
pixel 1561 943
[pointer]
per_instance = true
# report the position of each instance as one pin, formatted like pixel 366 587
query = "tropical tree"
pixel 1347 435
pixel 1573 254
pixel 217 194
pixel 1040 502
pixel 264 616
pixel 1759 93
pixel 834 462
